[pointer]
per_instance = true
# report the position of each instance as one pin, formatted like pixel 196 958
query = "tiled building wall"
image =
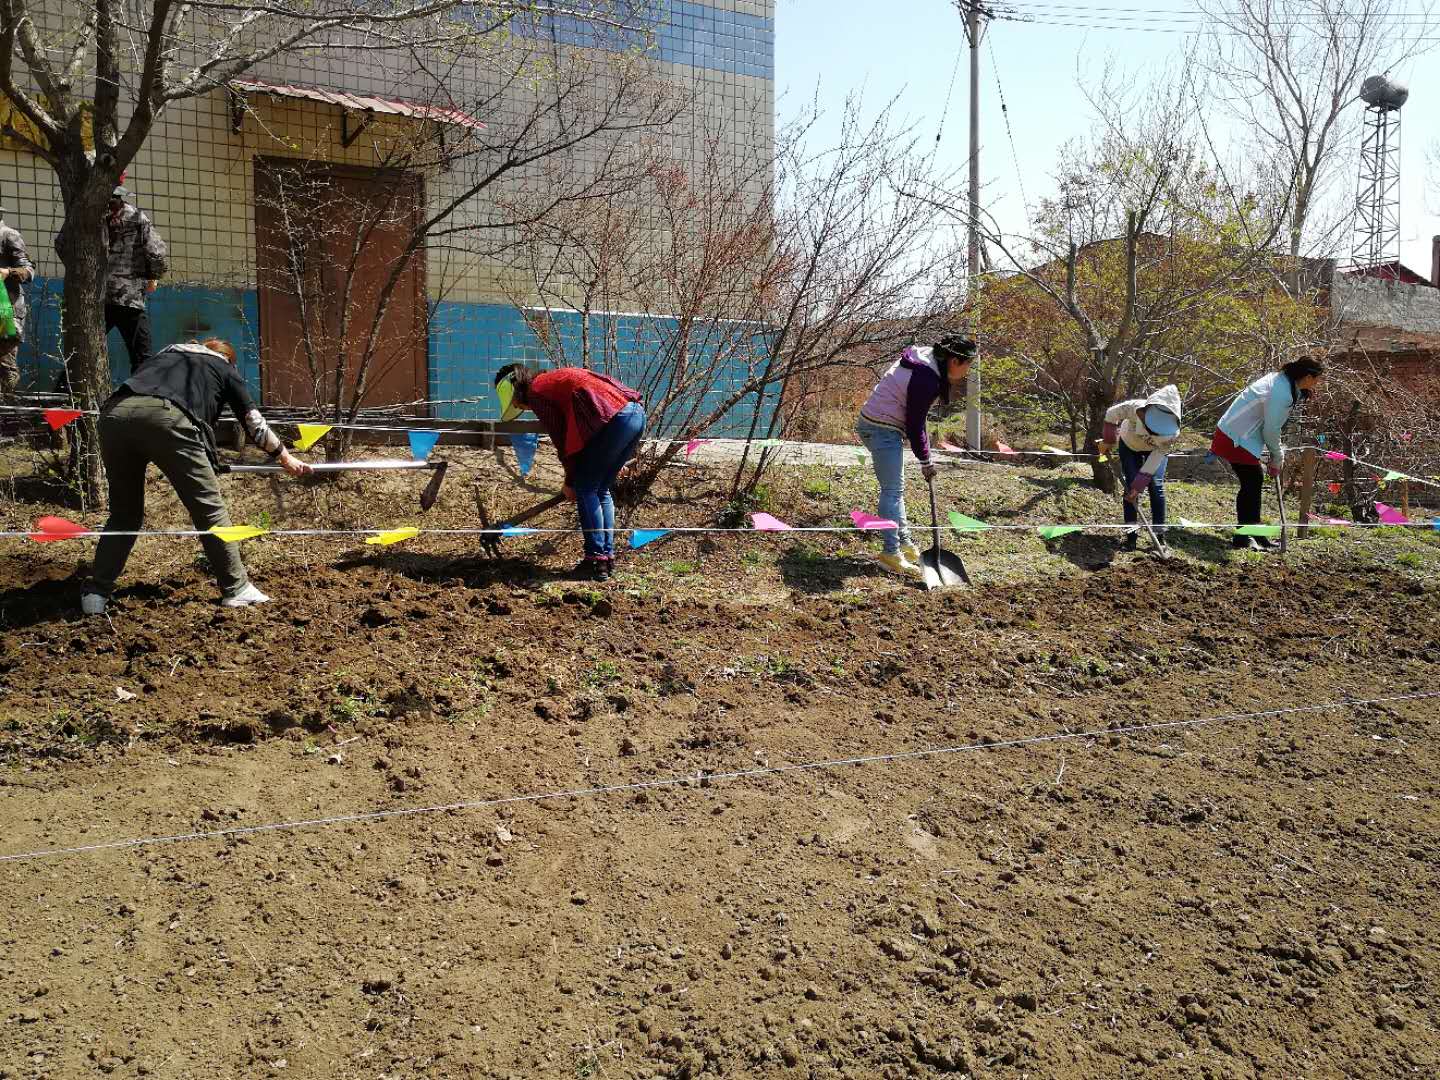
pixel 195 178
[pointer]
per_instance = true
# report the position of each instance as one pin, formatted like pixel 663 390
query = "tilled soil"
pixel 1254 896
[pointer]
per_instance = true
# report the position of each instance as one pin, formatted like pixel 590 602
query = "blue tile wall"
pixel 693 34
pixel 468 344
pixel 177 313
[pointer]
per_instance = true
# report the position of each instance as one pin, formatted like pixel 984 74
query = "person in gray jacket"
pixel 15 270
pixel 165 414
pixel 137 262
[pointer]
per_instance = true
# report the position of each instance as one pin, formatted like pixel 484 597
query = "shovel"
pixel 427 497
pixel 1284 525
pixel 1160 548
pixel 490 538
pixel 941 568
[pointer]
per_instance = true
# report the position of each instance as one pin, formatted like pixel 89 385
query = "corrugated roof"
pixel 418 110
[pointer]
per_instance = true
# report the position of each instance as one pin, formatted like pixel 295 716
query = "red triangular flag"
pixel 1334 488
pixel 56 528
pixel 58 418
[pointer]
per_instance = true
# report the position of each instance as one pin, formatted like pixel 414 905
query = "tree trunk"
pixel 1095 407
pixel 85 254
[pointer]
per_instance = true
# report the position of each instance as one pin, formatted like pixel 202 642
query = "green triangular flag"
pixel 1054 532
pixel 1258 530
pixel 960 523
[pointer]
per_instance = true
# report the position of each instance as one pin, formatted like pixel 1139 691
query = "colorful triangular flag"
pixel 524 445
pixel 509 531
pixel 393 536
pixel 233 534
pixel 640 537
pixel 422 442
pixel 1002 448
pixel 960 523
pixel 48 529
pixel 863 520
pixel 693 445
pixel 1258 530
pixel 766 523
pixel 1335 455
pixel 1057 451
pixel 1054 532
pixel 1393 475
pixel 310 434
pixel 58 418
pixel 1390 516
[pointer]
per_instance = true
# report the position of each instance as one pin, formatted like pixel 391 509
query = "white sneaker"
pixel 92 603
pixel 901 565
pixel 245 597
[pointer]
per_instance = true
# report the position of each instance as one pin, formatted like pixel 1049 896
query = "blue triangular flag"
pixel 422 442
pixel 641 537
pixel 525 446
pixel 516 530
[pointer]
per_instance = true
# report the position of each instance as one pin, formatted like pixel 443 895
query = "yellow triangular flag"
pixel 234 533
pixel 394 536
pixel 310 434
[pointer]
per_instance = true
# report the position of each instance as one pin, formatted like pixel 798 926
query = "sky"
pixel 909 48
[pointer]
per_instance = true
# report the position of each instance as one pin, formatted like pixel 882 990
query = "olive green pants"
pixel 9 369
pixel 135 431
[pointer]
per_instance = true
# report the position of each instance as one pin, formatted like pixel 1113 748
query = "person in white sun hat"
pixel 1144 430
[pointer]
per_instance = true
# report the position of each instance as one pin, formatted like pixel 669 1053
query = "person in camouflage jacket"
pixel 15 269
pixel 137 262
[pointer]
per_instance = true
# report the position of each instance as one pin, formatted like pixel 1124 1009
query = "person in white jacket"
pixel 1144 430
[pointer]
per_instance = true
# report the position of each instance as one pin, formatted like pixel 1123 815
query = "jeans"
pixel 1252 489
pixel 887 453
pixel 1131 462
pixel 594 472
pixel 135 431
pixel 134 326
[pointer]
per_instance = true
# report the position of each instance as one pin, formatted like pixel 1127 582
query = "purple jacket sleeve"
pixel 923 390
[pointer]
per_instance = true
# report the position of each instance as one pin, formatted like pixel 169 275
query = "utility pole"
pixel 973 31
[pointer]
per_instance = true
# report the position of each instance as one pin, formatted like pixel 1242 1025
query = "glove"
pixel 1138 485
pixel 1273 470
pixel 927 470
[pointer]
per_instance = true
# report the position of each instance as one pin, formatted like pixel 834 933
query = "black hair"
pixel 957 345
pixel 521 373
pixel 1300 369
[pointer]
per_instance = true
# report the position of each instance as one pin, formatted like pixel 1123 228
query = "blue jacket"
pixel 1254 419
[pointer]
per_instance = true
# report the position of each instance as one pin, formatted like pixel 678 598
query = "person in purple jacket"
pixel 895 411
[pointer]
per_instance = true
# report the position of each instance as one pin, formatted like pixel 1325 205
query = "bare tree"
pixel 106 71
pixel 743 280
pixel 1156 259
pixel 1290 73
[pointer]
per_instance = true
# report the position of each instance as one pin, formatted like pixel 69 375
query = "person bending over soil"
pixel 596 424
pixel 1251 425
pixel 895 411
pixel 165 413
pixel 1144 429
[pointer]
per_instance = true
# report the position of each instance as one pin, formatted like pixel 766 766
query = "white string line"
pixel 701 775
pixel 519 532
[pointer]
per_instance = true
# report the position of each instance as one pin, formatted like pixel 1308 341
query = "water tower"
pixel 1377 198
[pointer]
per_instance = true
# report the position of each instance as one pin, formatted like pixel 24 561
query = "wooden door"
pixel 328 241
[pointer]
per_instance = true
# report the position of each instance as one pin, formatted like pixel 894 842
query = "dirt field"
pixel 1250 897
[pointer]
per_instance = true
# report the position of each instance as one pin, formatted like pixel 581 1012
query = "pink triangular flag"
pixel 946 444
pixel 1390 516
pixel 58 418
pixel 48 529
pixel 766 523
pixel 1334 521
pixel 863 520
pixel 1003 448
pixel 693 445
pixel 1335 455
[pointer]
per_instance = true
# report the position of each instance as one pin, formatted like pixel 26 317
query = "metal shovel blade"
pixel 943 569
